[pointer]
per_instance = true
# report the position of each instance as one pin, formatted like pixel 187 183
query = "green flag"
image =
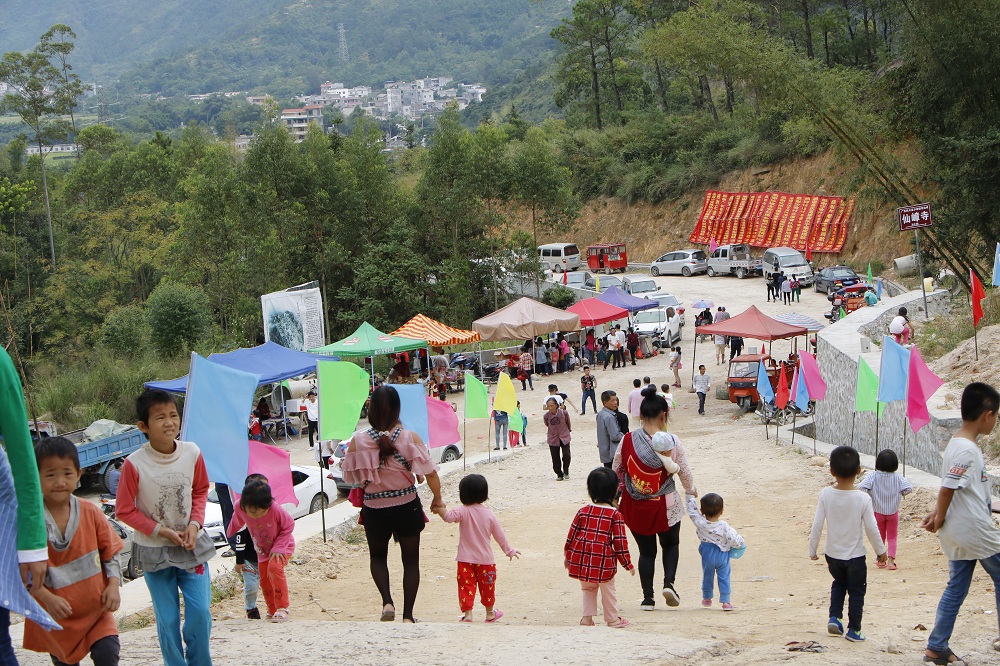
pixel 343 389
pixel 843 313
pixel 515 422
pixel 866 398
pixel 871 280
pixel 476 403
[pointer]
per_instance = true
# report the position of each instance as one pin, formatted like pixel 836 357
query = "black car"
pixel 832 278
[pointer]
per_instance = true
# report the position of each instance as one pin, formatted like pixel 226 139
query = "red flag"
pixel 781 397
pixel 920 386
pixel 978 294
pixel 564 275
pixel 809 253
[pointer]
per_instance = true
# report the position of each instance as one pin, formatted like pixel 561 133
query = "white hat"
pixel 663 442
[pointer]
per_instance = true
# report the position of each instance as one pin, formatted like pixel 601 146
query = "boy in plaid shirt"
pixel 595 545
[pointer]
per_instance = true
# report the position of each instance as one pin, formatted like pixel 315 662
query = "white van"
pixel 552 256
pixel 788 261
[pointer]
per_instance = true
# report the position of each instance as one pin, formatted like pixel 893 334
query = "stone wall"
pixel 839 347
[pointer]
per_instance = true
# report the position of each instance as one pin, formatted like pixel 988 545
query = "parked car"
pixel 734 260
pixel 574 279
pixel 662 322
pixel 607 281
pixel 681 262
pixel 127 557
pixel 439 454
pixel 668 301
pixel 832 278
pixel 790 262
pixel 552 256
pixel 639 286
pixel 305 481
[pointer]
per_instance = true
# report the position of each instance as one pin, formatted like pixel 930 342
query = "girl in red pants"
pixel 271 528
pixel 886 487
pixel 476 565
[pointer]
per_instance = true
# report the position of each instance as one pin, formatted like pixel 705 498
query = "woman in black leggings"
pixel 387 462
pixel 644 505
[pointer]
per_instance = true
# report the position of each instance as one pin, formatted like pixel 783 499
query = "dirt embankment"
pixel 652 229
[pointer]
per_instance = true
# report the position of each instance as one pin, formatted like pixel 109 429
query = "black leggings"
pixel 560 468
pixel 103 652
pixel 313 430
pixel 670 544
pixel 378 554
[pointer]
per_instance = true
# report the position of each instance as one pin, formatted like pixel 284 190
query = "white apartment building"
pixel 297 120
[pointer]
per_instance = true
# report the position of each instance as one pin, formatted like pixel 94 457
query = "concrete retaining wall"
pixel 839 348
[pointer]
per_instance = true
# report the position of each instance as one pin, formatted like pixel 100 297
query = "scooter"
pixel 108 503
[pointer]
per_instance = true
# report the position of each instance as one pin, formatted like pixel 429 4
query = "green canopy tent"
pixel 368 341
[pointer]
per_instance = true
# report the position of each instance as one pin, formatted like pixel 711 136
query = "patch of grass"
pixel 356 537
pixel 139 620
pixel 943 334
pixel 226 586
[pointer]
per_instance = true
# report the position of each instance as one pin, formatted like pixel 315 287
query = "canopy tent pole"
pixel 694 356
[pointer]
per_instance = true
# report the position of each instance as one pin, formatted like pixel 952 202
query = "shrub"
pixel 178 317
pixel 125 330
pixel 559 297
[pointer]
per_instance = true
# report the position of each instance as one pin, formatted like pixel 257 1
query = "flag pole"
pixel 465 439
pixel 904 446
pixel 795 415
pixel 876 427
pixel 853 420
pixel 815 405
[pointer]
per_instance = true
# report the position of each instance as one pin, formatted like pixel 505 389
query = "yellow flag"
pixel 597 283
pixel 505 399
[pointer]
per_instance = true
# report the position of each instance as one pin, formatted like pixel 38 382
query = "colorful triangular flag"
pixel 800 393
pixel 921 386
pixel 871 280
pixel 506 399
pixel 813 378
pixel 978 294
pixel 781 397
pixel 476 401
pixel 866 390
pixel 893 371
pixel 712 246
pixel 343 389
pixel 996 267
pixel 764 389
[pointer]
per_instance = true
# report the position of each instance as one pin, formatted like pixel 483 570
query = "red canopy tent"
pixel 594 311
pixel 752 323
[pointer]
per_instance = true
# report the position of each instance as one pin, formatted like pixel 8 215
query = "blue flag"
pixel 893 371
pixel 996 267
pixel 413 409
pixel 764 389
pixel 800 394
pixel 878 291
pixel 216 416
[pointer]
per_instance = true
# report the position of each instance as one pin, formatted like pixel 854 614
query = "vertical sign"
pixel 914 218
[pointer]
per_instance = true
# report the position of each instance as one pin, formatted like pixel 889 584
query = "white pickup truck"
pixel 734 260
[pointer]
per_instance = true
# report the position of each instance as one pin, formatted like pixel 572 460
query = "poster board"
pixel 293 318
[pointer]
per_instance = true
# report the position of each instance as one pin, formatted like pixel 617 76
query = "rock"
pixel 920 627
pixel 331 575
pixel 818 461
pixel 892 648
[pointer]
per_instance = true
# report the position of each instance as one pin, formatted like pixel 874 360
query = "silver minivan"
pixel 789 261
pixel 555 256
pixel 681 262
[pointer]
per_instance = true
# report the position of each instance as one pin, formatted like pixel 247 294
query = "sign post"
pixel 915 218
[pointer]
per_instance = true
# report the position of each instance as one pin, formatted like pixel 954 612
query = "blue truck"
pixel 97 457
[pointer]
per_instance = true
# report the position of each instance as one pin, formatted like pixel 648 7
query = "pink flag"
pixel 814 380
pixel 712 246
pixel 443 423
pixel 920 387
pixel 273 463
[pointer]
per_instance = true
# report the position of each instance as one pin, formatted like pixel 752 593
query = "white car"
pixel 640 286
pixel 668 301
pixel 439 454
pixel 656 322
pixel 305 481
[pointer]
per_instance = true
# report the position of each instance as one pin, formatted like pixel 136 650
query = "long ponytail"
pixel 383 415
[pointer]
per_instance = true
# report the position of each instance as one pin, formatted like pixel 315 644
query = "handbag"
pixel 356 497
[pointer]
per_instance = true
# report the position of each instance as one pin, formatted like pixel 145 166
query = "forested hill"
pixel 294 49
pixel 115 35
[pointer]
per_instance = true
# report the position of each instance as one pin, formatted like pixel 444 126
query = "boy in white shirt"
pixel 717 540
pixel 962 518
pixel 849 516
pixel 312 417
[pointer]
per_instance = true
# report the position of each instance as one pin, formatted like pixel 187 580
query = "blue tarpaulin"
pixel 618 298
pixel 270 361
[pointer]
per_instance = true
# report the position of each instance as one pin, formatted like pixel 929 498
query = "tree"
pixel 541 184
pixel 56 45
pixel 178 317
pixel 28 77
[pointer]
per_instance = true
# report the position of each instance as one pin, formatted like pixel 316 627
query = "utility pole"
pixel 342 34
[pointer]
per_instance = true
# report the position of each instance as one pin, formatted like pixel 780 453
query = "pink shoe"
pixel 620 623
pixel 728 607
pixel 707 603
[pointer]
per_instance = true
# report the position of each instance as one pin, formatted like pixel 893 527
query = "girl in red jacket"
pixel 596 544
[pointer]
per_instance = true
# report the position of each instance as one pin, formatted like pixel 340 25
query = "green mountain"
pixel 115 35
pixel 297 47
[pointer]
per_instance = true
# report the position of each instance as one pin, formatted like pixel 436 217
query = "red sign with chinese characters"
pixel 914 217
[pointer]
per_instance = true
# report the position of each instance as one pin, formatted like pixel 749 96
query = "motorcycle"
pixel 108 503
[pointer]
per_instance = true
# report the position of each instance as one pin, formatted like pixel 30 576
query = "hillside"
pixel 652 229
pixel 294 49
pixel 115 35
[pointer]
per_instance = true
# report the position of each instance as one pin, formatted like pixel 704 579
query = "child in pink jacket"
pixel 476 565
pixel 271 529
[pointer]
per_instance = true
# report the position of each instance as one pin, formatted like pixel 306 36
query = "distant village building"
pixel 57 148
pixel 297 120
pixel 256 100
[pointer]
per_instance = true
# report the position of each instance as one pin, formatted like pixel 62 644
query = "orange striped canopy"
pixel 434 332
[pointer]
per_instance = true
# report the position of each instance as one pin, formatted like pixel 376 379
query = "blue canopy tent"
pixel 271 361
pixel 618 298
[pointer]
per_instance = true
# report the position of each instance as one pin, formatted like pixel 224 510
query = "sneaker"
pixel 671 596
pixel 728 606
pixel 647 605
pixel 566 476
pixel 253 614
pixel 560 478
pixel 835 627
pixel 855 636
pixel 707 603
